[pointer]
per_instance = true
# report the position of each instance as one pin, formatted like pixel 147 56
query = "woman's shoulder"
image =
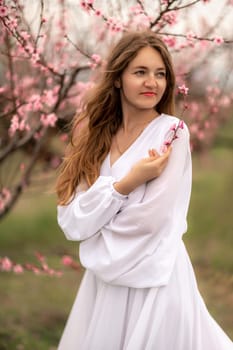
pixel 173 126
pixel 170 120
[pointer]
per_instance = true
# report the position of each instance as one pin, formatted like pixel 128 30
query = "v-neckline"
pixel 111 165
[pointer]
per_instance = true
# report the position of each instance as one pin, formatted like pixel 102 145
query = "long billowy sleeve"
pixel 138 246
pixel 90 210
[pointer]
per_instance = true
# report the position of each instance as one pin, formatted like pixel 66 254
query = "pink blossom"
pixel 36 102
pixel 183 89
pixel 84 5
pixel 3 89
pixel 213 90
pixel 67 260
pixel 14 126
pixel 96 58
pixel 204 44
pixel 218 40
pixel 49 98
pixel 55 162
pixel 18 269
pixel 63 137
pixel 13 23
pixel 170 17
pixel 181 124
pixel 22 166
pixel 172 135
pixel 6 193
pixel 193 128
pixel 92 65
pixel 49 119
pixel 170 41
pixel 3 11
pixel 114 25
pixel 225 101
pixel 35 57
pixel 207 124
pixel 5 197
pixel 137 9
pixel 190 35
pixel 24 126
pixel 201 135
pixel 173 127
pixel 6 264
pixel 40 257
pixel 29 48
pixel 214 109
pixel 167 143
pixel 49 81
pixel 37 135
pixel 25 35
pixel 98 12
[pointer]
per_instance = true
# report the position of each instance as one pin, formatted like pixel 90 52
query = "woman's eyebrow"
pixel 140 67
pixel 144 67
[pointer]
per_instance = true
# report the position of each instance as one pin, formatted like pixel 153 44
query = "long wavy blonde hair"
pixel 93 129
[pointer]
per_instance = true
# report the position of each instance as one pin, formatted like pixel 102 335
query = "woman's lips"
pixel 148 93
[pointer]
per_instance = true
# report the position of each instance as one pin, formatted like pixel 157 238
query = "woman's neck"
pixel 140 120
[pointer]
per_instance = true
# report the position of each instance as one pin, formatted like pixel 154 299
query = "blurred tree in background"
pixel 52 53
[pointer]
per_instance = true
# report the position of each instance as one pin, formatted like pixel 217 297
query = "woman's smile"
pixel 148 93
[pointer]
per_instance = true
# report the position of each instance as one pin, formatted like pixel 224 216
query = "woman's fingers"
pixel 153 153
pixel 160 162
pixel 168 151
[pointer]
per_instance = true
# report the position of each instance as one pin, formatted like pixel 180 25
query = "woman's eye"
pixel 161 74
pixel 140 72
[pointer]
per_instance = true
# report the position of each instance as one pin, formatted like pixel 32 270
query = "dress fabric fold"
pixel 139 291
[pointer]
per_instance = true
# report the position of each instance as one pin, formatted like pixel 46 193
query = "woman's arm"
pixel 143 171
pixel 143 238
pixel 90 210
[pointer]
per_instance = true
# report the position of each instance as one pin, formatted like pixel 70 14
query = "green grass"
pixel 34 308
pixel 211 210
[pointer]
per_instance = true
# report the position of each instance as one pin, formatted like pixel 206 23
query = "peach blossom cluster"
pixel 7 265
pixel 172 135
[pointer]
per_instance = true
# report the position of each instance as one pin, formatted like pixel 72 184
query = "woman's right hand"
pixel 143 171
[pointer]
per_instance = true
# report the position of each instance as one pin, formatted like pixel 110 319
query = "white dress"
pixel 139 291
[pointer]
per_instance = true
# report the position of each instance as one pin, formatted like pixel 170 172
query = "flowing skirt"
pixel 173 317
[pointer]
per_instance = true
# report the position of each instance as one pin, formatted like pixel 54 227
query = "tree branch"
pixel 25 180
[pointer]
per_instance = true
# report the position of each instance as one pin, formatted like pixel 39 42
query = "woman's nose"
pixel 151 80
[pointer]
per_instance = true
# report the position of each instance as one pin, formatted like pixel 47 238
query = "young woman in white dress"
pixel 124 195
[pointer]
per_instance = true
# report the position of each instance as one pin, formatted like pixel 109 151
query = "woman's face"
pixel 143 82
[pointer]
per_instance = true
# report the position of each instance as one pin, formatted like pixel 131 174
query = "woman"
pixel 126 198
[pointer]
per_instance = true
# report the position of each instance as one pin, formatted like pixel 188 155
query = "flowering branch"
pixel 7 265
pixel 173 135
pixel 217 39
